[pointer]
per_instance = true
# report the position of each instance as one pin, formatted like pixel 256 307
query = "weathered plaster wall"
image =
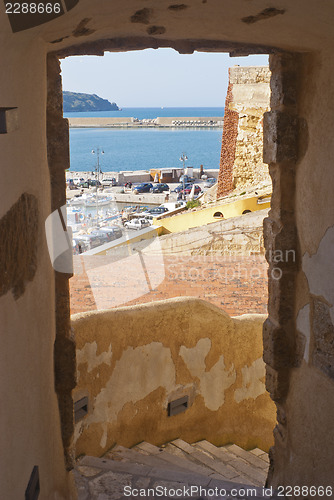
pixel 29 418
pixel 132 361
pixel 304 441
pixel 248 98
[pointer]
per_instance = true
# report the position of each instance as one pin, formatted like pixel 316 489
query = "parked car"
pixel 94 182
pixel 137 224
pixel 188 189
pixel 210 182
pixel 112 232
pixel 93 240
pixel 160 188
pixel 144 187
pixel 109 182
pixel 180 187
pixel 155 211
pixel 83 184
pixel 79 245
pixel 187 179
pixel 148 217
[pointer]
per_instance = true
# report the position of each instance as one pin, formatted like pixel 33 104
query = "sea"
pixel 146 148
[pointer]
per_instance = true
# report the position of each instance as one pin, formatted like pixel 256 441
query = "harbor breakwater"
pixel 159 122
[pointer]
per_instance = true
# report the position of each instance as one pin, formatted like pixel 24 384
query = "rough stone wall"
pixel 64 347
pixel 283 348
pixel 206 355
pixel 242 142
pixel 227 156
pixel 299 335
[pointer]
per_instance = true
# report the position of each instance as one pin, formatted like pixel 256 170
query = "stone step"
pixel 249 457
pixel 176 464
pixel 222 462
pixel 261 454
pixel 132 469
pixel 243 466
pixel 174 450
pixel 120 453
pixel 147 448
pixel 201 456
pixel 226 458
pixel 197 467
pixel 106 478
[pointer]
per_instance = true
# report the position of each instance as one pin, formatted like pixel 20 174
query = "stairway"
pixel 176 465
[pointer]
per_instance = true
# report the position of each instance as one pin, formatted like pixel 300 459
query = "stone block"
pixel 323 331
pixel 284 68
pixel 278 346
pixel 280 137
pixel 299 348
pixel 283 197
pixel 277 383
pixel 281 289
pixel 249 75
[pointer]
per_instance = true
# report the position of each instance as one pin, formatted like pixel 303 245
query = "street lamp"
pixel 183 158
pixel 97 171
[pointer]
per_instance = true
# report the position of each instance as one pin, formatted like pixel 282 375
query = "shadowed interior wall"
pixel 29 419
pixel 299 338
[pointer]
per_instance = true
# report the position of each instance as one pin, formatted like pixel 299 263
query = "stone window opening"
pixel 280 149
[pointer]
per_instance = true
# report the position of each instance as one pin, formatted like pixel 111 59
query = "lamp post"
pixel 97 171
pixel 183 158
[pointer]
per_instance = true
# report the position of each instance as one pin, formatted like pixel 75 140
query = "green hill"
pixel 73 101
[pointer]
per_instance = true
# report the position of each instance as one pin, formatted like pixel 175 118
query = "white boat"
pixel 80 200
pixel 101 202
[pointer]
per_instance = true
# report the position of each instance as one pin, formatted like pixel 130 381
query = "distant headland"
pixel 73 101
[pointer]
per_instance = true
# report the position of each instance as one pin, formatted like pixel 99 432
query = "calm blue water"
pixel 143 149
pixel 141 113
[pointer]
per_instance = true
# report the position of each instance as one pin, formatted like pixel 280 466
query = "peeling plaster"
pixel 252 381
pixel 304 326
pixel 319 269
pixel 137 373
pixel 194 357
pixel 214 383
pixel 88 355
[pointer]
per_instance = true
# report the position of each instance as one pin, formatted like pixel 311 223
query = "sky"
pixel 154 78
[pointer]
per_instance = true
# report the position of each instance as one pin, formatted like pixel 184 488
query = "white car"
pixel 109 182
pixel 137 224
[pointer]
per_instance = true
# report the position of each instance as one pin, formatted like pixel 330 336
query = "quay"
pixel 159 122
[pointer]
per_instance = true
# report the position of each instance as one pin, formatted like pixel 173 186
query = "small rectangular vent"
pixel 9 121
pixel 33 488
pixel 178 406
pixel 80 409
